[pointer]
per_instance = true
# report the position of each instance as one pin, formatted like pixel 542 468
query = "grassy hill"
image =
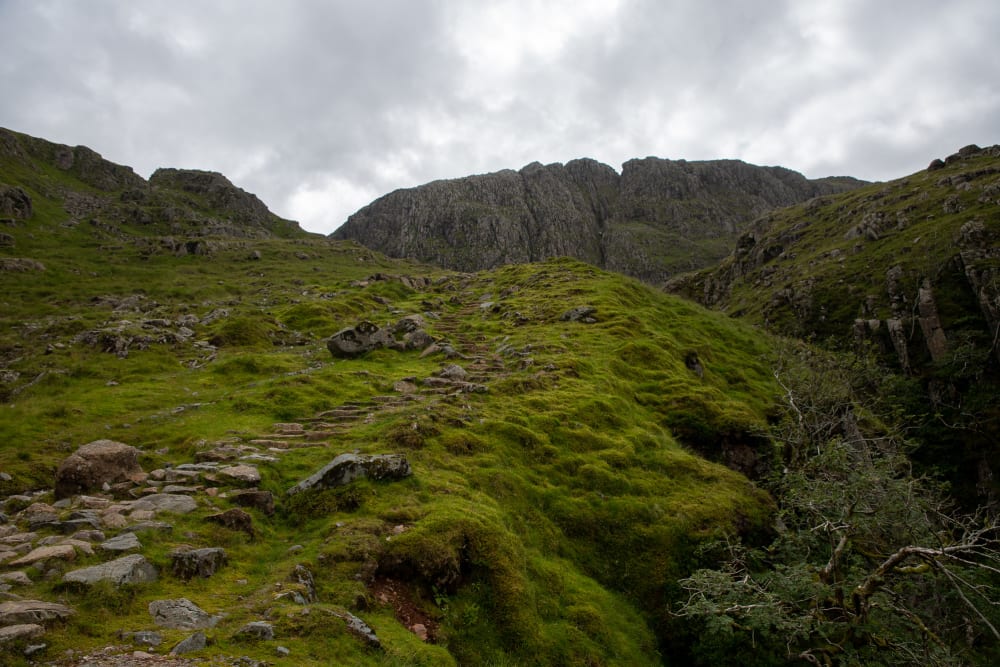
pixel 559 488
pixel 906 269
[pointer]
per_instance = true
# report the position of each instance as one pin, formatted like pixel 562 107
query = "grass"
pixel 547 518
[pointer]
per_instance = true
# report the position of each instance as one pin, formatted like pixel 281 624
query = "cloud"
pixel 321 106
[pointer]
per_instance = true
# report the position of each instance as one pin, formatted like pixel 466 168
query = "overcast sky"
pixel 319 107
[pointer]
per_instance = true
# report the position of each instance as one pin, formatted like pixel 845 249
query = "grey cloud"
pixel 375 96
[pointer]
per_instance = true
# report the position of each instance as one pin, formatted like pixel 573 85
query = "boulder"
pixel 580 314
pixel 260 500
pixel 197 562
pixel 14 203
pixel 165 502
pixel 348 467
pixel 132 569
pixel 57 551
pixel 256 630
pixel 20 631
pixel 95 464
pixel 360 339
pixel 17 612
pixel 181 614
pixel 123 542
pixel 243 474
pixel 234 519
pixel 195 642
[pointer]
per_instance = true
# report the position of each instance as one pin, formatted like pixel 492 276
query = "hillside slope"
pixel 658 218
pixel 910 268
pixel 564 464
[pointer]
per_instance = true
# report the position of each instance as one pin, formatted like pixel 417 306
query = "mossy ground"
pixel 547 519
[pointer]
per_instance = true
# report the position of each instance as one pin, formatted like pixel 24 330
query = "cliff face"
pixel 657 218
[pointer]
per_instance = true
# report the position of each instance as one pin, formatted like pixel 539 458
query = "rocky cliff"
pixel 909 269
pixel 657 218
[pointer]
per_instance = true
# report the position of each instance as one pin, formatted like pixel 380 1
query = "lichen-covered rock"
pixel 15 612
pixel 14 203
pixel 348 467
pixel 197 562
pixel 94 464
pixel 360 339
pixel 133 569
pixel 181 614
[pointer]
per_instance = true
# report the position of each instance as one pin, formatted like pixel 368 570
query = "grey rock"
pixel 360 339
pixel 282 651
pixel 630 223
pixel 197 562
pixel 234 519
pixel 181 614
pixel 16 578
pixel 149 526
pixel 195 642
pixel 32 611
pixel 122 542
pixel 580 314
pixel 20 631
pixel 94 464
pixel 256 630
pixel 146 638
pixel 14 203
pixel 348 467
pixel 246 475
pixel 166 502
pixel 260 500
pixel 132 569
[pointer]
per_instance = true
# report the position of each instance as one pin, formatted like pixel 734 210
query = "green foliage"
pixel 868 566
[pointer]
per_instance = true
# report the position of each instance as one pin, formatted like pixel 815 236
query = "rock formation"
pixel 657 218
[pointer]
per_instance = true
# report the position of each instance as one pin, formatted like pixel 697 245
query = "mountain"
pixel 566 438
pixel 656 219
pixel 181 208
pixel 225 438
pixel 909 269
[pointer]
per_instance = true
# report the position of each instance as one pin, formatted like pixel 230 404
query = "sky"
pixel 321 106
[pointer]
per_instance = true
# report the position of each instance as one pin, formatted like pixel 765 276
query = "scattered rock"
pixel 195 642
pixel 234 519
pixel 57 551
pixel 123 542
pixel 260 500
pixel 20 631
pixel 348 467
pixel 453 372
pixel 165 502
pixel 95 464
pixel 32 611
pixel 146 638
pixel 20 264
pixel 197 562
pixel 256 630
pixel 360 339
pixel 17 578
pixel 580 314
pixel 242 474
pixel 359 629
pixel 181 614
pixel 132 569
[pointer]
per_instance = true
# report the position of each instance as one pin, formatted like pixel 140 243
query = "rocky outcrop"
pixel 217 191
pixel 15 204
pixel 365 337
pixel 348 467
pixel 655 219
